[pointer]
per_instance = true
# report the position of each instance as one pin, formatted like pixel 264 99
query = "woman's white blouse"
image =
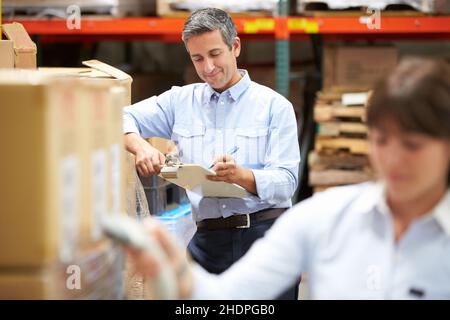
pixel 343 238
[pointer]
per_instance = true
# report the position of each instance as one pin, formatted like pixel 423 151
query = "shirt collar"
pixel 242 85
pixel 440 213
pixel 236 90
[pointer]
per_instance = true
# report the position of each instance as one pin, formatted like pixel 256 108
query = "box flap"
pixel 73 72
pixel 113 72
pixel 17 33
pixel 6 54
pixel 76 72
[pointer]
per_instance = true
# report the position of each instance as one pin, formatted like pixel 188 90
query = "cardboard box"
pixel 106 90
pixel 40 186
pixel 58 184
pixel 163 145
pixel 99 71
pixel 131 184
pixel 6 54
pixel 24 49
pixel 355 68
pixel 21 286
pixel 118 96
pixel 96 273
pixel 95 159
pixel 103 155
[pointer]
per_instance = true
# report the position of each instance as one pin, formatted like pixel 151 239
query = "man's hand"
pixel 228 171
pixel 145 264
pixel 148 159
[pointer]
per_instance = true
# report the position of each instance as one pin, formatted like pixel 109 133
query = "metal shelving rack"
pixel 282 28
pixel 156 26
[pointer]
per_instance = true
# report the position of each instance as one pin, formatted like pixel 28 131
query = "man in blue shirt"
pixel 207 121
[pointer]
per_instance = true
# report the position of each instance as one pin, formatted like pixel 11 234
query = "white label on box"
pixel 99 194
pixel 70 187
pixel 115 178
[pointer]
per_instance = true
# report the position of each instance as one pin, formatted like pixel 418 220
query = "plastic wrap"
pixel 180 224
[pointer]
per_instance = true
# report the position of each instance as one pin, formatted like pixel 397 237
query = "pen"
pixel 230 152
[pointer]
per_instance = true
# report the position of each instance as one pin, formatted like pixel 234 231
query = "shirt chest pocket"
pixel 190 142
pixel 252 144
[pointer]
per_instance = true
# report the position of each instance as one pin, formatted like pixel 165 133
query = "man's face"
pixel 214 62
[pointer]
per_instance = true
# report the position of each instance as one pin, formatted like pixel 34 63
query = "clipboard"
pixel 192 177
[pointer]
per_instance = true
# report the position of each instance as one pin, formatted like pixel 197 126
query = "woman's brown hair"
pixel 416 95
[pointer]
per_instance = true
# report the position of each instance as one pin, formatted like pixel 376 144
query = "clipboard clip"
pixel 172 160
pixel 171 166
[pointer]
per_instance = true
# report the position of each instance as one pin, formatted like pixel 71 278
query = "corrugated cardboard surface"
pixel 39 185
pixel 59 132
pixel 95 158
pixel 117 152
pixel 24 48
pixel 6 54
pixel 357 67
pixel 99 71
pixel 163 145
pixel 95 273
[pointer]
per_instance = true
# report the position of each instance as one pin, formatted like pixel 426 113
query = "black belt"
pixel 243 221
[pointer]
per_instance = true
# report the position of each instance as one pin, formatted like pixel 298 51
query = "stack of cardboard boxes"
pixel 62 170
pixel 341 147
pixel 17 50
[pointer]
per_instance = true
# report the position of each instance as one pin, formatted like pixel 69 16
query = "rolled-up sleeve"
pixel 278 180
pixel 152 117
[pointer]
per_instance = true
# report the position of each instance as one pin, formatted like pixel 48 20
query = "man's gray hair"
pixel 207 20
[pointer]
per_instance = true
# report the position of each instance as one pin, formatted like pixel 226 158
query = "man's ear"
pixel 236 47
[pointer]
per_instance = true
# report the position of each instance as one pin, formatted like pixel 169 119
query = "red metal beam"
pixel 170 28
pixel 356 25
pixel 133 26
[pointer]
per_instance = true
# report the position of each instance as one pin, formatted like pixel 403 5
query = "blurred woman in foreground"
pixel 377 240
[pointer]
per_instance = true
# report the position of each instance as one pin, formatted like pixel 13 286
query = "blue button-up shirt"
pixel 344 240
pixel 204 123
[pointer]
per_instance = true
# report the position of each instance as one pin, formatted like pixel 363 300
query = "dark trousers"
pixel 217 250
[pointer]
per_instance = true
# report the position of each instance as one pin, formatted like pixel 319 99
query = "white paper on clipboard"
pixel 192 177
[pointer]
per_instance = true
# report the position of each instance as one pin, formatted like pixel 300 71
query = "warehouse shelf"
pixel 151 26
pixel 270 26
pixel 282 29
pixel 358 25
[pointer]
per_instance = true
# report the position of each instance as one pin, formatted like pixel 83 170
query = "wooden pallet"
pixel 323 113
pixel 341 160
pixel 163 9
pixel 328 97
pixel 335 129
pixel 355 146
pixel 335 177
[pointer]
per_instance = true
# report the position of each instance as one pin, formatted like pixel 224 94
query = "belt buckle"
pixel 247 225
